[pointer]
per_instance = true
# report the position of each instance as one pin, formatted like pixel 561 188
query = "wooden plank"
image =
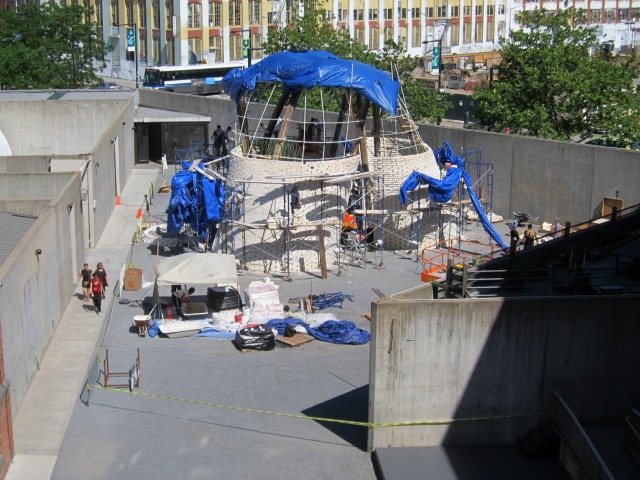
pixel 379 292
pixel 295 341
pixel 323 256
pixel 355 176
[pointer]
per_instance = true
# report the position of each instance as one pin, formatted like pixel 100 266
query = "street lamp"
pixel 436 58
pixel 132 44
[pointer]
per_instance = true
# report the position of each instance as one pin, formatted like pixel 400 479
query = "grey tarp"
pixel 197 269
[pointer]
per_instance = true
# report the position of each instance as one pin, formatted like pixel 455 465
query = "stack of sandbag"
pixel 263 300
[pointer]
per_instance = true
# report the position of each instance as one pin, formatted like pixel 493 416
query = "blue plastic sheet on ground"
pixel 195 200
pixel 153 329
pixel 442 191
pixel 340 331
pixel 315 68
pixel 280 324
pixel 215 333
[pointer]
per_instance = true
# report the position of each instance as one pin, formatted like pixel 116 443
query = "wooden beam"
pixel 323 255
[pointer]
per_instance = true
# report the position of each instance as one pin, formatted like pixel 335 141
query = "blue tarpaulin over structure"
pixel 315 68
pixel 442 191
pixel 195 200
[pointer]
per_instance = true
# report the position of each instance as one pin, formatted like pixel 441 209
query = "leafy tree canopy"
pixel 48 46
pixel 552 86
pixel 313 31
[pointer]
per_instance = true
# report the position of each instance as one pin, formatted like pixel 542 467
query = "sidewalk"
pixel 42 420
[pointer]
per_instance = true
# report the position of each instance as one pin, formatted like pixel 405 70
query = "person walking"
pixel 96 293
pixel 85 274
pixel 101 273
pixel 515 238
pixel 530 237
pixel 217 140
pixel 557 228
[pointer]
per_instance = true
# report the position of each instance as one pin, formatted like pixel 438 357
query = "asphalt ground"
pixel 206 410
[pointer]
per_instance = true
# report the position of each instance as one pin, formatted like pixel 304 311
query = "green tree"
pixel 48 46
pixel 551 85
pixel 312 31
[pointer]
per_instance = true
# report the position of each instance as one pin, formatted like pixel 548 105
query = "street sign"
pixel 131 40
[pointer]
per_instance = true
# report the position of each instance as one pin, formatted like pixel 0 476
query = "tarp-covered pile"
pixel 315 68
pixel 195 200
pixel 442 191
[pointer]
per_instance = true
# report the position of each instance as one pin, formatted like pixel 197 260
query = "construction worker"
pixel 530 237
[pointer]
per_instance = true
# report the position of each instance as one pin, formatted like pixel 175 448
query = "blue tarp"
pixel 442 191
pixel 332 331
pixel 195 200
pixel 315 68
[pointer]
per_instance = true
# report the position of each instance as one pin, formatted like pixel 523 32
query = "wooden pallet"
pixel 295 341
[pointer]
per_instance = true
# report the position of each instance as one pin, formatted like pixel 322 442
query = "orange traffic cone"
pixel 139 214
pixel 118 201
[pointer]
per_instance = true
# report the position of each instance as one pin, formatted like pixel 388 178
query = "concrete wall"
pixel 36 288
pixel 544 177
pixel 30 208
pixel 32 186
pixel 500 358
pixel 221 110
pixel 26 164
pixel 55 127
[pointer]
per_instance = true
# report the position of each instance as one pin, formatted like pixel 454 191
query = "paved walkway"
pixel 44 415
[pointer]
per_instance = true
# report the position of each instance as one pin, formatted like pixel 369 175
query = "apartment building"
pixel 165 32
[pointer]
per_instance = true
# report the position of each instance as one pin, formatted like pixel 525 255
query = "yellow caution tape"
pixel 318 419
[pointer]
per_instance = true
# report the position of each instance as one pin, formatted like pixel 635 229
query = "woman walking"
pixel 101 273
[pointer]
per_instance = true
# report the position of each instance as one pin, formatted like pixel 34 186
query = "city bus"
pixel 199 79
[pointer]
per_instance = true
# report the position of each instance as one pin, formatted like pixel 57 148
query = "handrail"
pixel 571 431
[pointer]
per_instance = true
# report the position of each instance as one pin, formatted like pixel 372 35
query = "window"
pixel 455 35
pixel 402 37
pixel 415 13
pixel 344 17
pixel 416 36
pixel 466 10
pixel 235 46
pixel 256 43
pixel 255 12
pixel 373 14
pixel 429 12
pixel 374 39
pixel 501 9
pixel 442 11
pixel 130 16
pixel 215 46
pixel 142 14
pixel 466 33
pixel 155 54
pixel 402 12
pixel 596 16
pixel 357 15
pixel 195 45
pixel 489 9
pixel 479 9
pixel 87 11
pixel 170 52
pixel 388 13
pixel 455 11
pixel 478 37
pixel 388 33
pixel 358 36
pixel 168 8
pixel 215 14
pixel 610 15
pixel 195 12
pixel 235 18
pixel 99 13
pixel 115 13
pixel 155 8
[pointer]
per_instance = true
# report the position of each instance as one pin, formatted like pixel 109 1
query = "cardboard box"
pixel 132 279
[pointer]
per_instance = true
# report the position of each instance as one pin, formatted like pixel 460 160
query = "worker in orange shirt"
pixel 349 224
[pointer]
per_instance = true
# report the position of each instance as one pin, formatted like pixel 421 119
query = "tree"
pixel 551 85
pixel 48 46
pixel 312 31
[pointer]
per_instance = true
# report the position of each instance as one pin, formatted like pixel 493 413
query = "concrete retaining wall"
pixel 24 164
pixel 36 288
pixel 55 127
pixel 544 177
pixel 499 358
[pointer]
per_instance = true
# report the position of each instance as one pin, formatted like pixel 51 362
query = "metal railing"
pixel 571 431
